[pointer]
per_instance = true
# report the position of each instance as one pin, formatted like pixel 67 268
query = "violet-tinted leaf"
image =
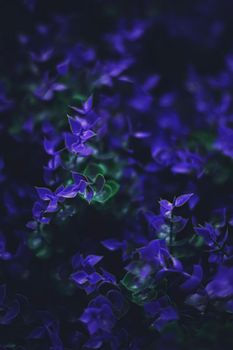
pixel 111 244
pixel 44 193
pixel 141 134
pixel 77 177
pixel 94 343
pixel 37 333
pixel 69 191
pixel 43 56
pixel 87 106
pixel 222 284
pixel 167 315
pixel 87 134
pixel 92 260
pixel 52 206
pixel 193 281
pixel 89 194
pixel 94 278
pixel 81 149
pixel 75 126
pixel 11 313
pixel 59 87
pixel 181 200
pixel 49 146
pixel 62 68
pixel 165 205
pixel 110 278
pixel 70 139
pixel 76 261
pixel 80 277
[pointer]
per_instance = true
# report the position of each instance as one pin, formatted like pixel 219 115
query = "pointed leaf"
pixel 181 200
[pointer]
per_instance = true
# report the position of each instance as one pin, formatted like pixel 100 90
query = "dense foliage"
pixel 116 172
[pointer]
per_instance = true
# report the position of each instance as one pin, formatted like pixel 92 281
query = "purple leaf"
pixel 166 207
pixel 59 87
pixel 44 193
pixel 70 139
pixel 52 206
pixel 89 194
pixel 77 177
pixel 168 314
pixel 11 313
pixel 81 149
pixel 86 135
pixel 208 233
pixel 111 244
pixel 110 278
pixel 155 221
pixel 141 134
pixel 37 209
pixel 49 146
pixel 94 278
pixel 92 260
pixel 87 106
pixel 69 191
pixel 93 343
pixel 80 277
pixel 151 250
pixel 82 187
pixel 62 68
pixel 31 225
pixel 76 261
pixel 165 204
pixel 42 56
pixel 193 281
pixel 181 200
pixel 37 333
pixel 75 126
pixel 222 284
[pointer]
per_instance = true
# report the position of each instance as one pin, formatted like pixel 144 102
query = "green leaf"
pixel 114 186
pixel 104 195
pixel 34 242
pixel 79 97
pixel 109 190
pixel 99 183
pixel 93 170
pixel 144 296
pixel 132 282
pixel 43 252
